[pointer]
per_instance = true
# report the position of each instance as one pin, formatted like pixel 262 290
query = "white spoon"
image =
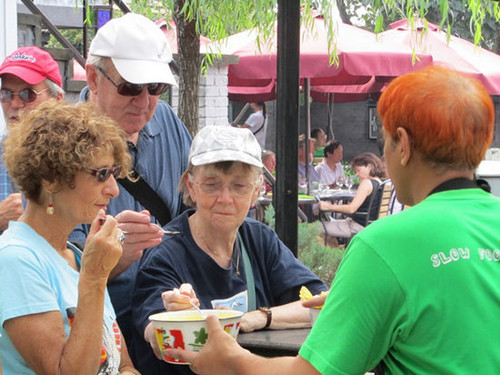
pixel 168 231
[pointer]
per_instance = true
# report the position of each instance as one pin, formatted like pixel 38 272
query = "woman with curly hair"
pixel 55 314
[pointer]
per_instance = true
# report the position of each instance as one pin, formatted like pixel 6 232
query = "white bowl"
pixel 187 329
pixel 313 313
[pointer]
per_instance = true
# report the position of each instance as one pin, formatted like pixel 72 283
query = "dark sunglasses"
pixel 134 89
pixel 102 174
pixel 26 95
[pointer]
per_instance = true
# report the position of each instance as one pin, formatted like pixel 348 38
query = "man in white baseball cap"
pixel 127 71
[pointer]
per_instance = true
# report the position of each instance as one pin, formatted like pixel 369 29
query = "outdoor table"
pixel 274 342
pixel 266 200
pixel 337 195
pixel 277 342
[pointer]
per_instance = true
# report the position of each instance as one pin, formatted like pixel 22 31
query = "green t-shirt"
pixel 318 155
pixel 419 290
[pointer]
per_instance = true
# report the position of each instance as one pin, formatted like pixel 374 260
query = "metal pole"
pixel 85 29
pixel 307 93
pixel 287 115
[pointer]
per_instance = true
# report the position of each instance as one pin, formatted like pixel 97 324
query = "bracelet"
pixel 269 315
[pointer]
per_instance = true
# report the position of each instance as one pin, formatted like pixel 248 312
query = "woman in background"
pixel 257 123
pixel 369 170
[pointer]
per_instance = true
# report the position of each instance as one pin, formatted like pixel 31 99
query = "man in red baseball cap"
pixel 29 77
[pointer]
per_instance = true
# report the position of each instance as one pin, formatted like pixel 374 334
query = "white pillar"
pixel 8 37
pixel 8 27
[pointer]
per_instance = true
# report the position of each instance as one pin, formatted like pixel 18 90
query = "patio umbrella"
pixel 361 56
pixel 456 53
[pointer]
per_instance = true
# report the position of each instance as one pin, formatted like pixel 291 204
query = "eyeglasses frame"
pixel 12 94
pixel 132 85
pixel 114 171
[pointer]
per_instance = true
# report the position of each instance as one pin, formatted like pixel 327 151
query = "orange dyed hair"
pixel 449 116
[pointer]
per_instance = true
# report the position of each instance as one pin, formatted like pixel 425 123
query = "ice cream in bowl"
pixel 187 329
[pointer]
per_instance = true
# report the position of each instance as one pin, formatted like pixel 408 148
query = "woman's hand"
pixel 253 321
pixel 173 300
pixel 180 299
pixel 102 248
pixel 324 205
pixel 150 337
pixel 318 300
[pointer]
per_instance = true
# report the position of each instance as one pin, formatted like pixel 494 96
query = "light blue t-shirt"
pixel 34 278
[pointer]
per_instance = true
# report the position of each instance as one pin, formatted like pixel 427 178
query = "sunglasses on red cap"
pixel 26 95
pixel 134 89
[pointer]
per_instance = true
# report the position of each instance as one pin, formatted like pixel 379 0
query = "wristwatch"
pixel 269 315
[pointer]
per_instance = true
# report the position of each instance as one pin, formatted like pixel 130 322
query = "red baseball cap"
pixel 32 65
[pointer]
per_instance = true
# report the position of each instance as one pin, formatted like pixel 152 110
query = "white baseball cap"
pixel 138 48
pixel 214 144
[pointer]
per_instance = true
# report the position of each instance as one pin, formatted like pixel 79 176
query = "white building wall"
pixel 8 38
pixel 213 101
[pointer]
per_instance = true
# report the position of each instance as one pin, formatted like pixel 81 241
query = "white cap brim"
pixel 217 156
pixel 144 71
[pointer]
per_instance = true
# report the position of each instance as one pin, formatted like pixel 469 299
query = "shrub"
pixel 320 259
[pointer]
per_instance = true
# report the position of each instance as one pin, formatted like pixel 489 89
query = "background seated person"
pixel 55 314
pixel 206 260
pixel 269 161
pixel 330 168
pixel 319 136
pixel 303 160
pixel 369 169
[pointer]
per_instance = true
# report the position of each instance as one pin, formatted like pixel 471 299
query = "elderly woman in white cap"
pixel 214 255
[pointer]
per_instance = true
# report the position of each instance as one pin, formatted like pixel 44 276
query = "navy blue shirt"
pixel 277 273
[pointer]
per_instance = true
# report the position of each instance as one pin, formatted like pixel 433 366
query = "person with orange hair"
pixel 416 292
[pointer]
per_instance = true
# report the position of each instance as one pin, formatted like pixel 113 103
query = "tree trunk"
pixel 343 13
pixel 188 45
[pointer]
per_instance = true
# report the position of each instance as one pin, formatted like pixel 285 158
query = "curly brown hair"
pixel 57 140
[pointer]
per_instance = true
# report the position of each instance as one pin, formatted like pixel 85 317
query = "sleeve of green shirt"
pixel 362 316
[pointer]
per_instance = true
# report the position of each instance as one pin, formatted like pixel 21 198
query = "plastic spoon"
pixel 168 231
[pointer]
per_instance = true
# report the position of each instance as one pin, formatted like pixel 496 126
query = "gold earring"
pixel 50 206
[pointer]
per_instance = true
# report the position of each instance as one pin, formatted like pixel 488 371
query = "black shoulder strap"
pixel 145 194
pixel 259 129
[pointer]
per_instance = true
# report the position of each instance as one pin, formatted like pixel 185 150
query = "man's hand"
pixel 141 235
pixel 10 209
